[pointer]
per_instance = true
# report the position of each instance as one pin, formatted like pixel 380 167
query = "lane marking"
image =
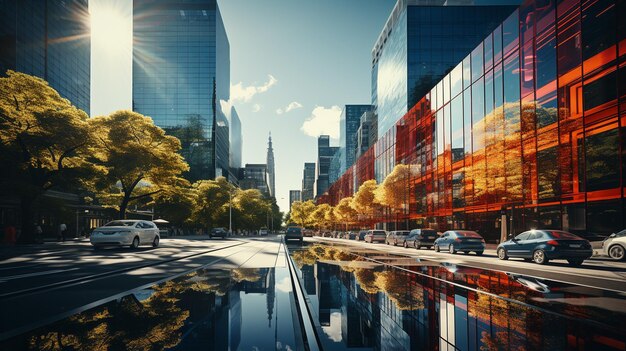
pixel 27 275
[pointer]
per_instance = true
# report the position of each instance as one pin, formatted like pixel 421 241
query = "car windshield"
pixel 556 234
pixel 402 233
pixel 429 232
pixel 469 234
pixel 293 230
pixel 378 232
pixel 120 224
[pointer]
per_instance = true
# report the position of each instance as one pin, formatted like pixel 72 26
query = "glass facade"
pixel 325 154
pixel 529 124
pixel 348 126
pixel 425 41
pixel 181 76
pixel 50 40
pixel 308 181
pixel 236 140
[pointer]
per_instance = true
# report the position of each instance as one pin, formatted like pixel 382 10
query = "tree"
pixel 393 192
pixel 344 211
pixel 138 158
pixel 318 216
pixel 211 201
pixel 364 200
pixel 44 142
pixel 175 204
pixel 301 212
pixel 251 209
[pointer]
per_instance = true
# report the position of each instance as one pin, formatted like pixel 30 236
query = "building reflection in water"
pixel 433 306
pixel 207 309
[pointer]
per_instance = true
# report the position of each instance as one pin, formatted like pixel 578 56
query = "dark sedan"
pixel 460 241
pixel 541 246
pixel 419 238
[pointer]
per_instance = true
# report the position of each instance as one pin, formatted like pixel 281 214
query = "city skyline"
pixel 265 92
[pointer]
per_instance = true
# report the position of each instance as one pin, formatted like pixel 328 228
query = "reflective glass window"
pixel 599 27
pixel 510 32
pixel 456 80
pixel 602 160
pixel 497 44
pixel 478 114
pixel 467 72
pixel 457 128
pixel 477 62
pixel 600 91
pixel 467 121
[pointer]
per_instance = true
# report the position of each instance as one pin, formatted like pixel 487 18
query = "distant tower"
pixel 270 167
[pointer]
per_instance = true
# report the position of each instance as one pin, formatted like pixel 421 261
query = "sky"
pixel 293 65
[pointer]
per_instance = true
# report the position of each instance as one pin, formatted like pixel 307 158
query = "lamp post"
pixel 230 212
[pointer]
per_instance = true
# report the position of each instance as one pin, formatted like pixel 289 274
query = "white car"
pixel 126 232
pixel 615 245
pixel 263 232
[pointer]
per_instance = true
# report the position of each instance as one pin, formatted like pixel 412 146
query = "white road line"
pixel 20 276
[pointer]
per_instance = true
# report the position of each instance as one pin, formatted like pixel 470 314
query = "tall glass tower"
pixel 181 78
pixel 50 40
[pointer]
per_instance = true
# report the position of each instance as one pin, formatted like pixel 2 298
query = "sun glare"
pixel 110 28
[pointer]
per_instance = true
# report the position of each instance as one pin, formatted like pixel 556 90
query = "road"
pixel 40 285
pixel 601 273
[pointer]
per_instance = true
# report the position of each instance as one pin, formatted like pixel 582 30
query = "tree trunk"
pixel 124 206
pixel 27 235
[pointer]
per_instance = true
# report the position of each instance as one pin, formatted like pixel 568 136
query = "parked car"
pixel 308 232
pixel 361 235
pixel 350 235
pixel 542 246
pixel 294 233
pixel 396 237
pixel 132 233
pixel 263 232
pixel 375 236
pixel 419 238
pixel 615 245
pixel 220 231
pixel 460 240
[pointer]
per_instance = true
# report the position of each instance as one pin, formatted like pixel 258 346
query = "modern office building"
pixel 255 176
pixel 348 125
pixel 294 195
pixel 308 181
pixel 334 170
pixel 50 40
pixel 271 170
pixel 236 140
pixel 325 154
pixel 421 42
pixel 529 124
pixel 364 136
pixel 181 76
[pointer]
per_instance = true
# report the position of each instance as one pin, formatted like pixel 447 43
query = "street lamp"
pixel 230 211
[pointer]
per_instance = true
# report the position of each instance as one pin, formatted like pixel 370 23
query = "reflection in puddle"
pixel 428 305
pixel 208 309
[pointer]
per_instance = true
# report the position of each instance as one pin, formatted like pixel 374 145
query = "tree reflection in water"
pixel 130 324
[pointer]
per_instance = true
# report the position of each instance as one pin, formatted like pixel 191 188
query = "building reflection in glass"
pixel 430 306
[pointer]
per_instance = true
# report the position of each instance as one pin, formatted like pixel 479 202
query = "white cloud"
pixel 323 121
pixel 226 108
pixel 292 106
pixel 284 285
pixel 241 93
pixel 256 108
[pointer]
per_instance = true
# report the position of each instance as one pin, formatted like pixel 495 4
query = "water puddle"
pixel 360 301
pixel 238 309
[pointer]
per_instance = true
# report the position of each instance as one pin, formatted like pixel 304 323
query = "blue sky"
pixel 294 63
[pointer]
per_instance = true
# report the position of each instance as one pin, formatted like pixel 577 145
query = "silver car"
pixel 615 245
pixel 126 232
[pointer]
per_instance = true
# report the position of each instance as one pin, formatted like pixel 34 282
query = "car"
pixel 263 232
pixel 541 246
pixel 361 235
pixel 221 232
pixel 615 245
pixel 460 241
pixel 308 233
pixel 419 238
pixel 375 236
pixel 349 235
pixel 126 232
pixel 294 233
pixel 397 237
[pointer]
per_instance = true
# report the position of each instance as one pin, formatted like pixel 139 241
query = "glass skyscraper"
pixel 420 43
pixel 308 181
pixel 181 77
pixel 236 140
pixel 325 154
pixel 51 40
pixel 348 127
pixel 530 124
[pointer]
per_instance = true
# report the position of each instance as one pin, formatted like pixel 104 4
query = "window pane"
pixel 600 91
pixel 457 129
pixel 510 32
pixel 602 160
pixel 477 62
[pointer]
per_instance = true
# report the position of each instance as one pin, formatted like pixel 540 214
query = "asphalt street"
pixel 42 284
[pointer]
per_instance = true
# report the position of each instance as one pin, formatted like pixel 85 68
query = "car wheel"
pixel 502 254
pixel 406 246
pixel 539 257
pixel 451 249
pixel 436 248
pixel 575 262
pixel 479 253
pixel 617 252
pixel 155 242
pixel 135 243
